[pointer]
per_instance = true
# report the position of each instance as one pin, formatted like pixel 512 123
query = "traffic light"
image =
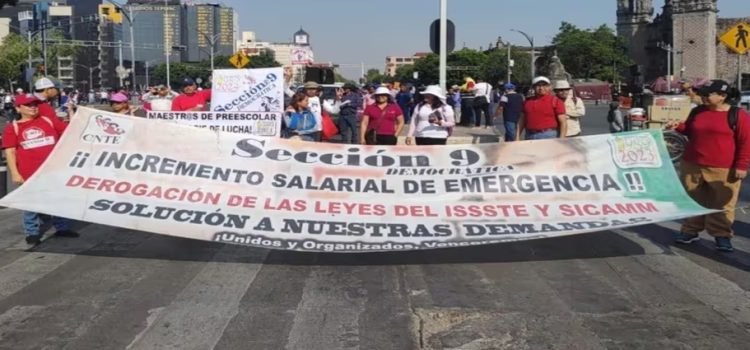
pixel 435 36
pixel 110 12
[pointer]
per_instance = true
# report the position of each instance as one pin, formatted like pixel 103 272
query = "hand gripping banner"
pixel 182 181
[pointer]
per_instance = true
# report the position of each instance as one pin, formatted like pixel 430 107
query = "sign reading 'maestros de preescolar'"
pixel 274 193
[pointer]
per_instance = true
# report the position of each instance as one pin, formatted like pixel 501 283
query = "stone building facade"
pixel 686 32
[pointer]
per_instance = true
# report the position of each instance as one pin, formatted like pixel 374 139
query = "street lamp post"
pixel 167 45
pixel 443 44
pixel 91 75
pixel 533 52
pixel 131 18
pixel 211 41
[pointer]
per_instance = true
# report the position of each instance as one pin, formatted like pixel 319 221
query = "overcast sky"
pixel 354 31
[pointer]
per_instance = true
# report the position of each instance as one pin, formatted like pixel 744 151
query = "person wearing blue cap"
pixel 191 99
pixel 510 106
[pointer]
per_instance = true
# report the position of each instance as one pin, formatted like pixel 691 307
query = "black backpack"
pixel 732 117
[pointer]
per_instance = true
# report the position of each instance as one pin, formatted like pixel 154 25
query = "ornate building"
pixel 687 32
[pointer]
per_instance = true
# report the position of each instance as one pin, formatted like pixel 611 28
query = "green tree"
pixel 15 54
pixel 589 53
pixel 374 76
pixel 14 50
pixel 264 60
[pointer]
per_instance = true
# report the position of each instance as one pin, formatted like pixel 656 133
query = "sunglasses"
pixel 31 105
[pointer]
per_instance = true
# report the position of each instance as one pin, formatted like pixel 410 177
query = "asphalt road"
pixel 624 289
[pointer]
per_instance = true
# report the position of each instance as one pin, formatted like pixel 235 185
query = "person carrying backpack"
pixel 544 115
pixel 28 142
pixel 715 162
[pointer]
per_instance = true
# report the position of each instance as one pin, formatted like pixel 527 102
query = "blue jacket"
pixel 302 122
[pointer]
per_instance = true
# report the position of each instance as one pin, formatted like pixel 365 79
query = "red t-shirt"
pixel 34 142
pixel 541 112
pixel 383 120
pixel 185 102
pixel 46 110
pixel 714 144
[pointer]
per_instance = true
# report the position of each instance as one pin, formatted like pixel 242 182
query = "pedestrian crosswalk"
pixel 118 289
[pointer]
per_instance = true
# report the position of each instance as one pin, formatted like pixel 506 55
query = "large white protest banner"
pixel 274 193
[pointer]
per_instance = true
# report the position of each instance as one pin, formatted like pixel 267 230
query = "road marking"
pixel 197 317
pixel 328 315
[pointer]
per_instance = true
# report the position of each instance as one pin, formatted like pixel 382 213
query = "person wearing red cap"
pixel 28 142
pixel 191 99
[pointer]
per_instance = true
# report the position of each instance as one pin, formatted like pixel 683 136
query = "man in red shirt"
pixel 715 162
pixel 543 114
pixel 27 143
pixel 191 99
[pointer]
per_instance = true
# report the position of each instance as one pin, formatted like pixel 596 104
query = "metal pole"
pixel 91 78
pixel 167 45
pixel 533 59
pixel 443 43
pixel 119 48
pixel 148 84
pixel 669 65
pixel 212 53
pixel 28 35
pixel 44 43
pixel 507 80
pixel 739 72
pixel 132 47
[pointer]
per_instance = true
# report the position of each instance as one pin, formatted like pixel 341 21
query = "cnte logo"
pixel 106 130
pixel 107 139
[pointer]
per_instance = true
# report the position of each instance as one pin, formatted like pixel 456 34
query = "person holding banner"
pixel 382 120
pixel 299 120
pixel 119 104
pixel 432 121
pixel 27 143
pixel 716 160
pixel 312 90
pixel 191 99
pixel 544 115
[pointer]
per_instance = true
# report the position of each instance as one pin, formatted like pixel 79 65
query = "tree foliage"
pixel 15 54
pixel 589 53
pixel 202 69
pixel 491 66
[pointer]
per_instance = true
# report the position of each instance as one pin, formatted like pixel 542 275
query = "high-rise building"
pixel 208 25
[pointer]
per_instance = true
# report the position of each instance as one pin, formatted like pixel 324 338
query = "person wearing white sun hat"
pixel 433 119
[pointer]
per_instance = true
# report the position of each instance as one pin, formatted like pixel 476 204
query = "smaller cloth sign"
pixel 251 123
pixel 248 90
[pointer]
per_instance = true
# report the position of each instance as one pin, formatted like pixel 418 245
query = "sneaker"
pixel 67 233
pixel 685 238
pixel 724 244
pixel 33 239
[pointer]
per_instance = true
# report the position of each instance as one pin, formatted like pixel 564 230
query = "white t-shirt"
pixel 420 125
pixel 483 89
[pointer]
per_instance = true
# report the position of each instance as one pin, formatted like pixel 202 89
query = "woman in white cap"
pixel 384 118
pixel 433 120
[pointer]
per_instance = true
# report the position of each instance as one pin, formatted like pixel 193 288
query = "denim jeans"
pixel 549 134
pixel 31 223
pixel 349 129
pixel 510 131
